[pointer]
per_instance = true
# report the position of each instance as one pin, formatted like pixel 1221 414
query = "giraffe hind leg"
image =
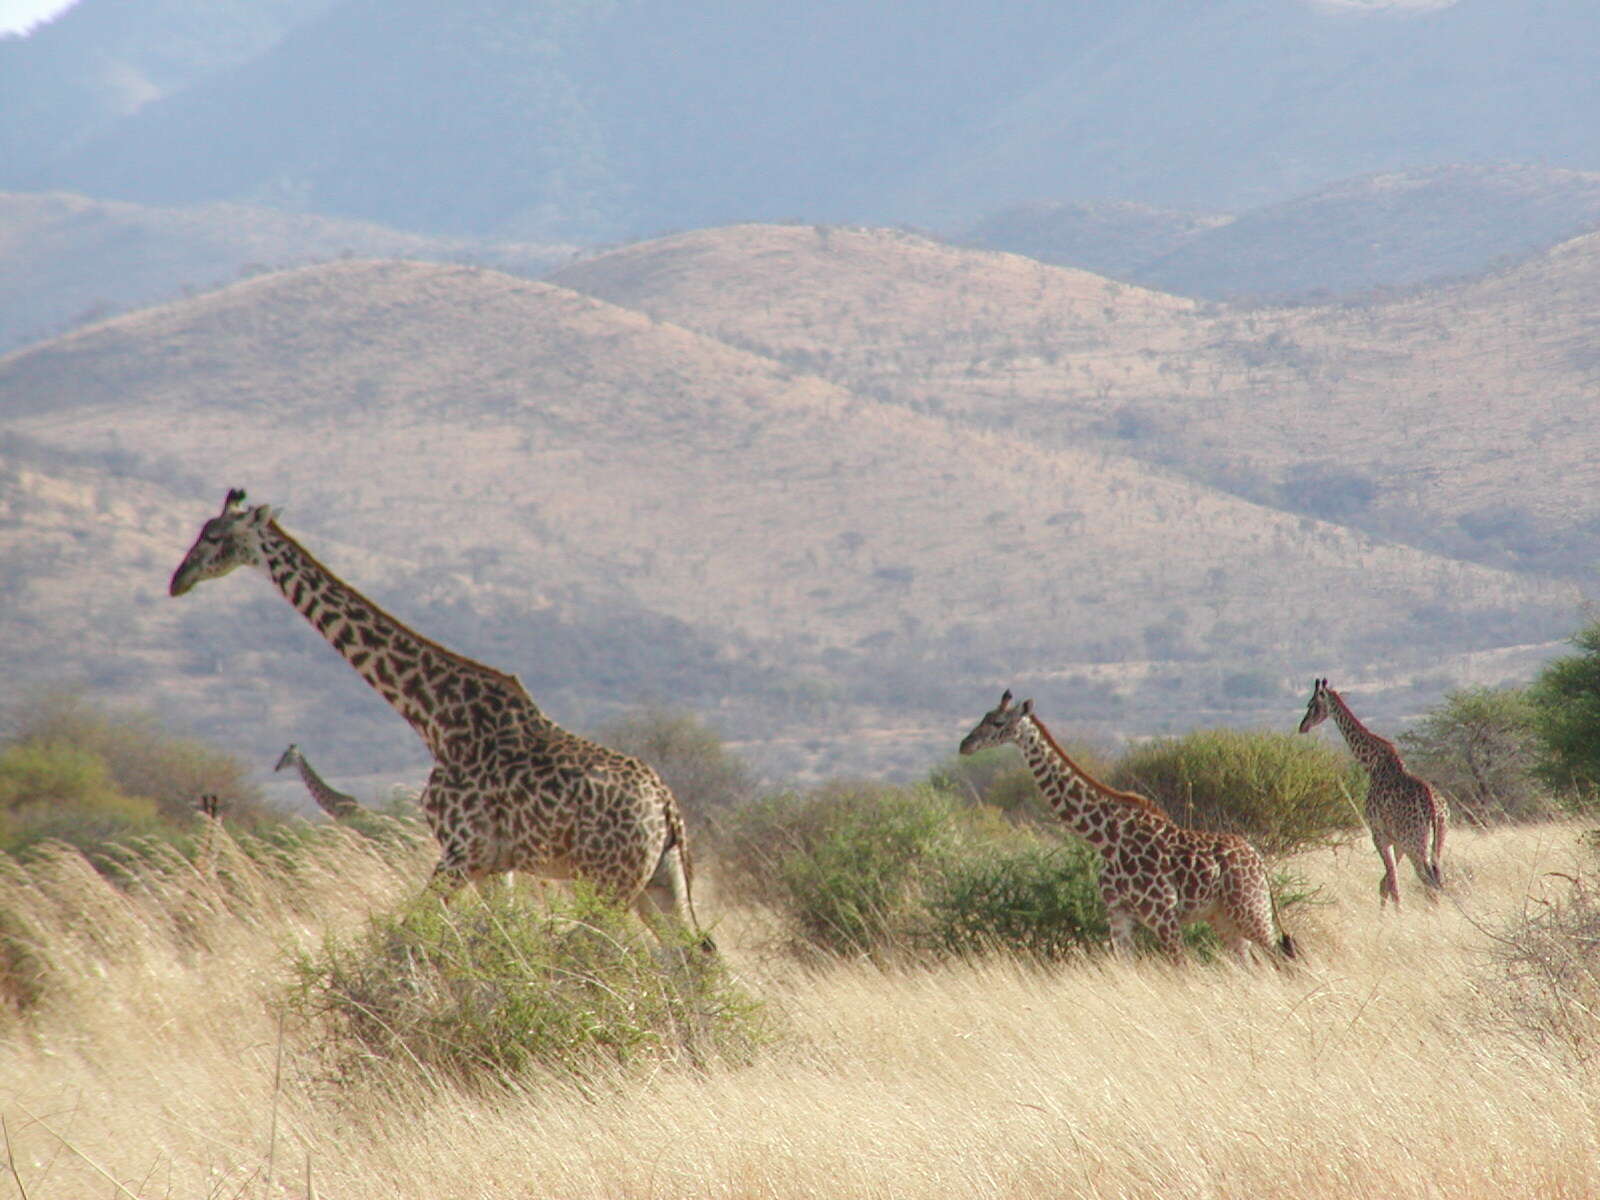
pixel 663 904
pixel 1428 872
pixel 1389 885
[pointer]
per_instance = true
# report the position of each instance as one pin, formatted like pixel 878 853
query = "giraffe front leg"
pixel 1169 934
pixel 443 803
pixel 1122 922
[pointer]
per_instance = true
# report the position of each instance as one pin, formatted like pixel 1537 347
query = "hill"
pixel 1399 229
pixel 623 510
pixel 66 260
pixel 1452 419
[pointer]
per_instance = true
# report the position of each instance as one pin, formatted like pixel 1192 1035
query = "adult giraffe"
pixel 1153 872
pixel 510 789
pixel 1403 812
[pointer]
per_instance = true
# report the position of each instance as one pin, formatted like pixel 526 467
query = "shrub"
pixel 140 757
pixel 1550 961
pixel 1031 897
pixel 1480 747
pixel 500 991
pixel 1566 716
pixel 844 864
pixel 1281 791
pixel 64 793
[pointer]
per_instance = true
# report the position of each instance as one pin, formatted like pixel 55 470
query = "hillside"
pixel 65 259
pixel 1452 419
pixel 623 510
pixel 1398 229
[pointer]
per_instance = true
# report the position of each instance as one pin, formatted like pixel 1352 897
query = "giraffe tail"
pixel 677 838
pixel 1287 947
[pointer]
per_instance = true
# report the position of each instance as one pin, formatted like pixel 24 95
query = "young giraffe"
pixel 329 799
pixel 1403 812
pixel 1152 872
pixel 510 789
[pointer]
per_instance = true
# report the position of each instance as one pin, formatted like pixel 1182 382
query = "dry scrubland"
pixel 1397 1062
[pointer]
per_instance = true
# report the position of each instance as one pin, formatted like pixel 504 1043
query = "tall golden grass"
pixel 1394 1062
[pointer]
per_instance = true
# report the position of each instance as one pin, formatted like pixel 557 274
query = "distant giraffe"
pixel 209 806
pixel 510 789
pixel 329 799
pixel 1403 812
pixel 1152 872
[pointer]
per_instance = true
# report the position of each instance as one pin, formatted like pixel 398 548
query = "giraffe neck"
pixel 329 799
pixel 1370 750
pixel 431 687
pixel 1093 811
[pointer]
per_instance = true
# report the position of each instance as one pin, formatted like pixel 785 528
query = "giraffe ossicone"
pixel 510 789
pixel 1153 872
pixel 1403 813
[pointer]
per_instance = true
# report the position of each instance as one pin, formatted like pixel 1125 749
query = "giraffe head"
pixel 209 805
pixel 999 725
pixel 289 758
pixel 230 539
pixel 1317 710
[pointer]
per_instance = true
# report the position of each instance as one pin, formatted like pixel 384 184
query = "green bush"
pixel 844 864
pixel 141 758
pixel 1566 716
pixel 1030 897
pixel 1279 790
pixel 51 792
pixel 499 991
pixel 1479 746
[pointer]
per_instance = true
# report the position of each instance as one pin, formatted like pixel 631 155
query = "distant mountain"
pixel 625 510
pixel 1393 230
pixel 66 260
pixel 602 119
pixel 1110 237
pixel 103 60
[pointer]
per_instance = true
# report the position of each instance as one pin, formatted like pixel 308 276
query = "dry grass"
pixel 1389 1065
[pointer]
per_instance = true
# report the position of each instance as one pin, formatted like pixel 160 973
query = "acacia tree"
pixel 1481 747
pixel 1566 717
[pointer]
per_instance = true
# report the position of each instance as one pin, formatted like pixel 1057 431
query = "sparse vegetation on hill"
pixel 858 559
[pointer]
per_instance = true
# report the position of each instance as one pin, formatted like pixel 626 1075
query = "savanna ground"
pixel 1399 1060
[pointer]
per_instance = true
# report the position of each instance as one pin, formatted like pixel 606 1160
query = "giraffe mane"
pixel 1132 799
pixel 1350 712
pixel 445 651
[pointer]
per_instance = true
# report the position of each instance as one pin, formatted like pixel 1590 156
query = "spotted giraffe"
pixel 1403 813
pixel 1152 872
pixel 330 800
pixel 510 789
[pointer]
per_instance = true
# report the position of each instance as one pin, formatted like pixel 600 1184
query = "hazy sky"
pixel 17 15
